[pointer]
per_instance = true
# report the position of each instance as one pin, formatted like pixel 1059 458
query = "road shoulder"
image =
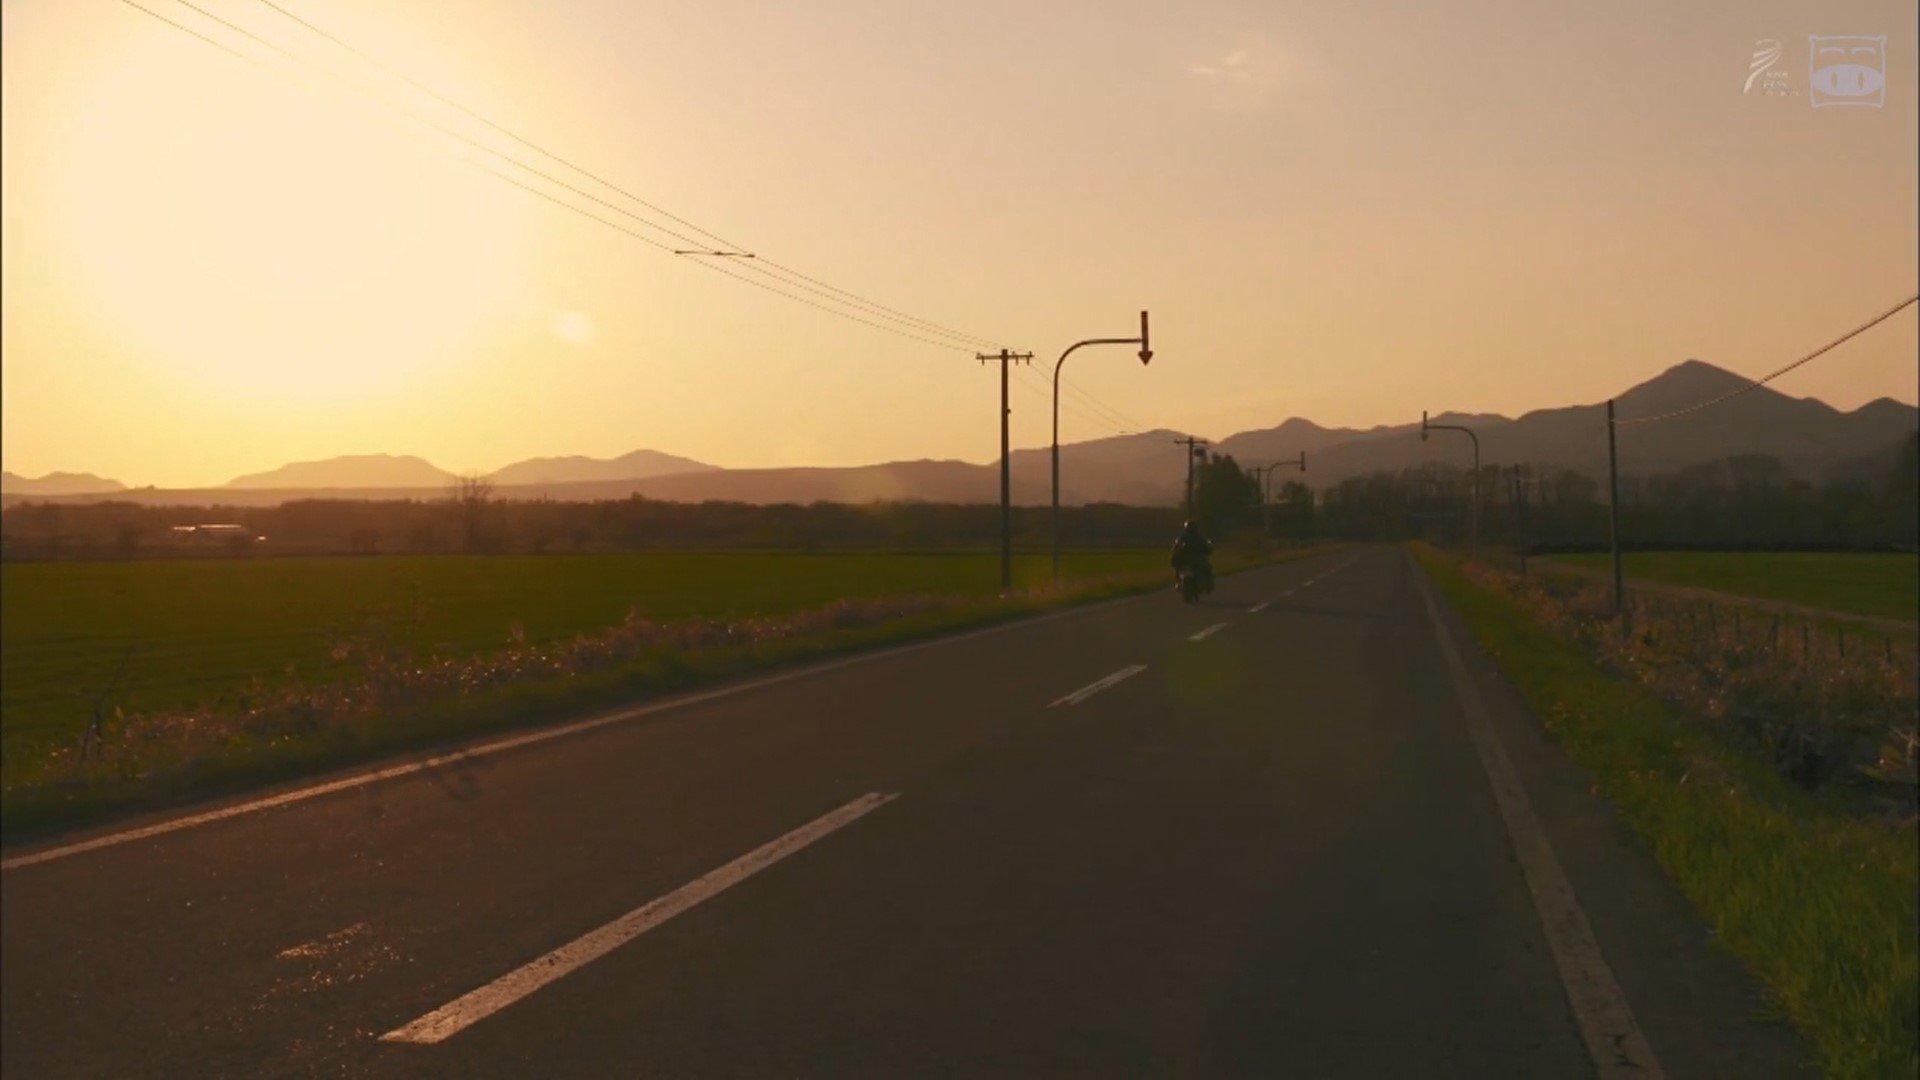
pixel 1704 1013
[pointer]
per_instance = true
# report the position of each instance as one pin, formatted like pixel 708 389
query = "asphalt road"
pixel 1254 836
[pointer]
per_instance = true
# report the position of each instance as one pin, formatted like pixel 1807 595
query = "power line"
pixel 1092 409
pixel 530 189
pixel 925 325
pixel 185 29
pixel 461 136
pixel 1037 385
pixel 1088 407
pixel 1102 415
pixel 1118 417
pixel 444 130
pixel 1757 383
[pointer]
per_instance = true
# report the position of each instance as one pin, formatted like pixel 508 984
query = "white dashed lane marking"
pixel 1093 688
pixel 468 1009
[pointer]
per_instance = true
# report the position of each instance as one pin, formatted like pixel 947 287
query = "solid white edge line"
pixel 1098 685
pixel 1207 633
pixel 1259 607
pixel 472 1007
pixel 1613 1037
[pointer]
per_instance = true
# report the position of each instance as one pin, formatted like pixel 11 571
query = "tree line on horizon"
pixel 471 520
pixel 1742 501
pixel 1745 501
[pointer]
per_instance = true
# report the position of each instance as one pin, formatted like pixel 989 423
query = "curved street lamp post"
pixel 1473 542
pixel 1145 354
pixel 1263 475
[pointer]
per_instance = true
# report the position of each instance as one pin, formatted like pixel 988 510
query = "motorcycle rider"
pixel 1193 551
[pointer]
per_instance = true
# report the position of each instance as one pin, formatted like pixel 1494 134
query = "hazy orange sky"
pixel 1350 212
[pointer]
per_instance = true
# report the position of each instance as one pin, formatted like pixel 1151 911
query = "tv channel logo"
pixel 1847 69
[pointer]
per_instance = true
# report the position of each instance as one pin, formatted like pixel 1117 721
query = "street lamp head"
pixel 1146 347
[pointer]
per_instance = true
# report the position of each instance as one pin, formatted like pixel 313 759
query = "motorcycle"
pixel 1190 584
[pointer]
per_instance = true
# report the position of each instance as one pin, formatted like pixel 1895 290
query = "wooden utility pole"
pixel 1613 513
pixel 1006 464
pixel 1260 473
pixel 1520 518
pixel 1193 446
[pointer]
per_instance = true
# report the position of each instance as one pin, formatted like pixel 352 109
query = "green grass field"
pixel 189 631
pixel 1882 586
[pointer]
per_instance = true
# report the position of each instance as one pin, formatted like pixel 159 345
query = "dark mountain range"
pixel 350 471
pixel 57 483
pixel 362 472
pixel 1810 437
pixel 638 465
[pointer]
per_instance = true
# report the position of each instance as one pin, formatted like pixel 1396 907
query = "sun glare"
pixel 275 243
pixel 573 327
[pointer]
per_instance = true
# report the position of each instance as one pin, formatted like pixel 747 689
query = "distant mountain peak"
pixel 1697 371
pixel 1885 406
pixel 350 471
pixel 57 483
pixel 1475 420
pixel 576 468
pixel 1686 383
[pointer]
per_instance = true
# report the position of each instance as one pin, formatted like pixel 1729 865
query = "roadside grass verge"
pixel 399 701
pixel 1880 585
pixel 1818 901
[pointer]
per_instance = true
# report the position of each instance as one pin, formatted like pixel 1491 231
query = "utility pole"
pixel 1006 464
pixel 1520 517
pixel 1260 473
pixel 1194 452
pixel 1613 513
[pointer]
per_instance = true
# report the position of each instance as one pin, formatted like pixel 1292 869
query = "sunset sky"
pixel 1350 212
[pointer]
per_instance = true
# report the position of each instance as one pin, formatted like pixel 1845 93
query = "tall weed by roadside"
pixel 1830 721
pixel 389 679
pixel 1810 888
pixel 385 693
